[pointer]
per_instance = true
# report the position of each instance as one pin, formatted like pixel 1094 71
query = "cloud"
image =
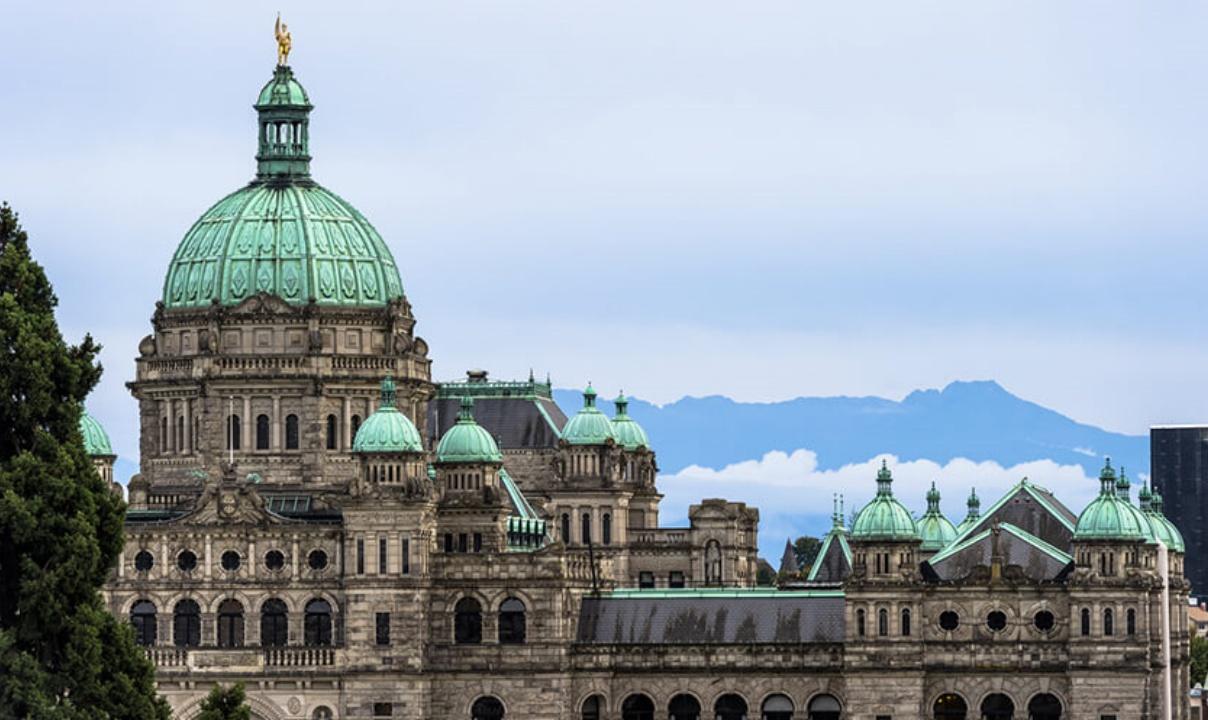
pixel 794 496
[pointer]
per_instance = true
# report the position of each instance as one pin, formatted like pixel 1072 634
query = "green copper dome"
pixel 935 530
pixel 884 518
pixel 387 430
pixel 1163 529
pixel 589 426
pixel 1108 517
pixel 974 514
pixel 467 441
pixel 628 432
pixel 283 233
pixel 96 440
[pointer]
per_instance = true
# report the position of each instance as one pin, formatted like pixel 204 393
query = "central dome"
pixel 282 234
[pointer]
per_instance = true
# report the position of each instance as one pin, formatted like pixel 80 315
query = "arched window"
pixel 180 433
pixel 566 528
pixel 683 707
pixel 274 623
pixel 1044 707
pixel 322 713
pixel 186 624
pixel 1109 627
pixel 713 563
pixel 356 425
pixel 291 432
pixel 593 708
pixel 234 433
pixel 486 708
pixel 1130 622
pixel 860 623
pixel 606 529
pixel 142 617
pixel 511 622
pixel 332 441
pixel 882 622
pixel 950 706
pixel 262 432
pixel 997 707
pixel 730 707
pixel 586 528
pixel 777 707
pixel 467 622
pixel 637 707
pixel 317 622
pixel 1086 621
pixel 230 624
pixel 905 622
pixel 823 707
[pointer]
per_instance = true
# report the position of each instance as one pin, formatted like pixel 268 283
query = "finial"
pixel 388 393
pixel 531 379
pixel 884 479
pixel 285 42
pixel 933 499
pixel 589 396
pixel 466 414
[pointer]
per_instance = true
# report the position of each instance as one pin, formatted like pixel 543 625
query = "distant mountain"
pixel 978 421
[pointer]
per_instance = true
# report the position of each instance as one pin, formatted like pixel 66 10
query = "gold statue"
pixel 284 41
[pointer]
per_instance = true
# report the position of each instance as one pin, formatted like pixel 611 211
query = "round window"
pixel 186 561
pixel 274 560
pixel 949 620
pixel 317 559
pixel 1044 621
pixel 143 561
pixel 230 561
pixel 996 620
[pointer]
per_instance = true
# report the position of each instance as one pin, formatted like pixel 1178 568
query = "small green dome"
pixel 589 426
pixel 974 514
pixel 467 441
pixel 387 430
pixel 283 233
pixel 935 530
pixel 1163 528
pixel 628 432
pixel 1109 517
pixel 96 440
pixel 884 518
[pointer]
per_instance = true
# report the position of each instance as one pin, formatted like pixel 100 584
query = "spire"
pixel 933 499
pixel 1124 487
pixel 788 561
pixel 284 129
pixel 388 393
pixel 466 414
pixel 1107 478
pixel 1145 497
pixel 884 480
pixel 974 505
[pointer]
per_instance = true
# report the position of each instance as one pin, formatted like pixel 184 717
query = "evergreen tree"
pixel 62 655
pixel 806 549
pixel 225 704
pixel 1199 660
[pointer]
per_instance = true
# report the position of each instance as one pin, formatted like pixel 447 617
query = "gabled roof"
pixel 519 415
pixel 833 563
pixel 1038 559
pixel 526 530
pixel 1029 507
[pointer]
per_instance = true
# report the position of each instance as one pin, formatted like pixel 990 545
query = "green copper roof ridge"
pixel 1025 485
pixel 549 421
pixel 518 499
pixel 813 573
pixel 1037 542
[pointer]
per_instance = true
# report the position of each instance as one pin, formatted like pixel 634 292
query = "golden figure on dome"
pixel 284 42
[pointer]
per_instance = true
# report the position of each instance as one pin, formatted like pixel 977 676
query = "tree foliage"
pixel 62 655
pixel 1199 659
pixel 225 704
pixel 806 549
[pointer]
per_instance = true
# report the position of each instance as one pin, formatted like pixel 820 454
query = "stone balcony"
pixel 660 537
pixel 245 660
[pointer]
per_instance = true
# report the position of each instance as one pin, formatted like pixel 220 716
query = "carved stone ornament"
pixel 146 346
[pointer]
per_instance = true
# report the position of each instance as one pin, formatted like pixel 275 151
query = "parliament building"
pixel 317 518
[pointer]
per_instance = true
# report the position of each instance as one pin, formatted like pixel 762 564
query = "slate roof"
pixel 1031 508
pixel 695 617
pixel 1038 560
pixel 833 563
pixel 516 423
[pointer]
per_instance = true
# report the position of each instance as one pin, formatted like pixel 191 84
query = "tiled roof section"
pixel 517 423
pixel 1038 559
pixel 833 563
pixel 300 507
pixel 694 618
pixel 1031 508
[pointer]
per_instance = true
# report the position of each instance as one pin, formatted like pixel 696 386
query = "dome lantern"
pixel 284 137
pixel 1108 517
pixel 629 434
pixel 884 518
pixel 935 530
pixel 387 430
pixel 589 426
pixel 973 504
pixel 467 441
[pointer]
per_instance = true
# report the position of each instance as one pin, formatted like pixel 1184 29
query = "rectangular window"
pixel 360 557
pixel 477 542
pixel 382 556
pixel 884 717
pixel 1107 717
pixel 448 542
pixel 462 542
pixel 406 556
pixel 645 579
pixel 382 633
pixel 676 579
pixel 383 710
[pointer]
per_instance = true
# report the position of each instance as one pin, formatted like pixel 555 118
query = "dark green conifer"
pixel 225 704
pixel 61 654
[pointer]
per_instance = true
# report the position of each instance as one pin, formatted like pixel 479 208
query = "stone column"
pixel 188 439
pixel 596 533
pixel 209 557
pixel 346 425
pixel 248 441
pixel 170 411
pixel 275 423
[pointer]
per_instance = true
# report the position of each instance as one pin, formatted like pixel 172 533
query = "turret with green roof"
pixel 1163 529
pixel 884 518
pixel 1108 517
pixel 973 504
pixel 628 433
pixel 935 530
pixel 387 430
pixel 589 426
pixel 96 440
pixel 467 441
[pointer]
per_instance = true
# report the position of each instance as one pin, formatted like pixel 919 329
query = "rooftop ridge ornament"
pixel 285 42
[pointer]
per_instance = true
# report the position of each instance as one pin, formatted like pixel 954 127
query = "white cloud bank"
pixel 794 496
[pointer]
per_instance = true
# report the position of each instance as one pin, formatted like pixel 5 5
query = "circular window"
pixel 274 560
pixel 317 560
pixel 143 561
pixel 1044 621
pixel 996 620
pixel 186 561
pixel 230 561
pixel 949 620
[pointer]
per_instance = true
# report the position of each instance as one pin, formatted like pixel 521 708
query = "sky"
pixel 763 200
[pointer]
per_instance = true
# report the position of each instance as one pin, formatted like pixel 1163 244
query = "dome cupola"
pixel 629 434
pixel 96 440
pixel 1108 517
pixel 935 530
pixel 589 426
pixel 1163 528
pixel 467 441
pixel 973 504
pixel 387 430
pixel 884 518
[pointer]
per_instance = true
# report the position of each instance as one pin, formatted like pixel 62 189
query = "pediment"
pixel 228 503
pixel 263 303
